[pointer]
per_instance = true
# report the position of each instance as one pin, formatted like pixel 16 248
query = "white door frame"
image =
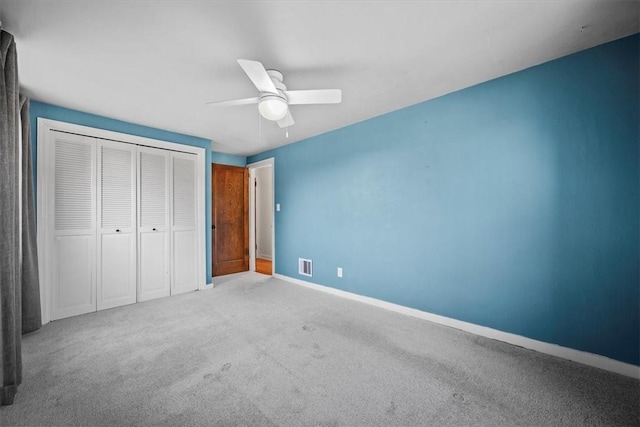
pixel 44 195
pixel 252 213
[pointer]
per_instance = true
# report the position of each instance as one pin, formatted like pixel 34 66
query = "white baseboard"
pixel 207 286
pixel 579 356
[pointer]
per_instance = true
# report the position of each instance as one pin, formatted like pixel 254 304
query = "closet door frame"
pixel 45 193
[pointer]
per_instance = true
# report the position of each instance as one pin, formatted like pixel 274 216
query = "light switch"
pixel 277 207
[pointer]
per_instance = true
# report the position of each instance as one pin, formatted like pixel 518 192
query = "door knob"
pixel 213 226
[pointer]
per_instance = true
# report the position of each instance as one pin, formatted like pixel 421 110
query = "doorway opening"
pixel 261 217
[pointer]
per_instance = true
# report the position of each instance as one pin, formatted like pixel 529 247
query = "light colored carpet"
pixel 260 351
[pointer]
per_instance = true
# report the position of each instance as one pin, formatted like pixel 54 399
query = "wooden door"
pixel 230 219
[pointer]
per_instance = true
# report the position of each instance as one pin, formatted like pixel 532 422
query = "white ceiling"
pixel 156 63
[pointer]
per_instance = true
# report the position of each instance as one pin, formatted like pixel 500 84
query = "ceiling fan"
pixel 274 98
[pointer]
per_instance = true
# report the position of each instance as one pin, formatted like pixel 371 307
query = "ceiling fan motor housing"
pixel 276 78
pixel 274 106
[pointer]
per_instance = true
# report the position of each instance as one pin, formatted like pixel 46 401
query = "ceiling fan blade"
pixel 258 75
pixel 320 96
pixel 233 102
pixel 286 121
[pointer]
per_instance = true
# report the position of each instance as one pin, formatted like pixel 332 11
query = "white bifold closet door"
pixel 184 258
pixel 153 223
pixel 116 232
pixel 124 221
pixel 73 222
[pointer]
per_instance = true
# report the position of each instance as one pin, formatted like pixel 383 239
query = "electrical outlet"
pixel 339 271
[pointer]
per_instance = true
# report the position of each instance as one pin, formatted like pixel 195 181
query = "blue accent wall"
pixel 53 112
pixel 228 159
pixel 513 204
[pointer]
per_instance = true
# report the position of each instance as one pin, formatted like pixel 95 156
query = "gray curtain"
pixel 31 318
pixel 10 254
pixel 17 227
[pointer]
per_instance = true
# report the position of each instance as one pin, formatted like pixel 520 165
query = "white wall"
pixel 264 209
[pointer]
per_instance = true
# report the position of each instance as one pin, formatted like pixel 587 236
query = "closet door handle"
pixel 154 229
pixel 117 231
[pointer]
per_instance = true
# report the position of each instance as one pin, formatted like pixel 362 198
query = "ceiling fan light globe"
pixel 273 108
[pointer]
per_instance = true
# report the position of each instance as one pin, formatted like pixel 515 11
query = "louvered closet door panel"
pixel 74 200
pixel 183 223
pixel 153 223
pixel 116 272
